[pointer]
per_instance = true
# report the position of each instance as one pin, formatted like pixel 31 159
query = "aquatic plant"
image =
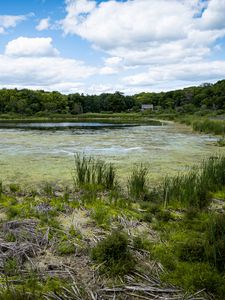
pixel 137 182
pixel 89 170
pixel 193 188
pixel 209 126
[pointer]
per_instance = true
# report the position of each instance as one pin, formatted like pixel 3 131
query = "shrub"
pixel 114 254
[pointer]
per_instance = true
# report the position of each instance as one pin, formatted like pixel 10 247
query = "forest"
pixel 188 100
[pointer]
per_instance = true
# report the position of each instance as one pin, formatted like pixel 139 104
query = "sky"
pixel 96 46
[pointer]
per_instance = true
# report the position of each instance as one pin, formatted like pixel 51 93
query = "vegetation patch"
pixel 114 254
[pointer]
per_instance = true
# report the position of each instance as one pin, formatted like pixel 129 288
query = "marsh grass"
pixel 193 188
pixel 1 189
pixel 204 124
pixel 209 126
pixel 137 183
pixel 215 244
pixel 89 170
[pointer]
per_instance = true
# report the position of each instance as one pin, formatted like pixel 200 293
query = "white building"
pixel 147 107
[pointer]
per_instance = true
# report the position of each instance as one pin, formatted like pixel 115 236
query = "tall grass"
pixel 215 245
pixel 137 182
pixel 1 189
pixel 193 188
pixel 89 170
pixel 209 126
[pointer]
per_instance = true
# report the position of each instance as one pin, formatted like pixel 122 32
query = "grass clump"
pixel 192 249
pixel 215 245
pixel 137 183
pixel 89 170
pixel 197 276
pixel 209 126
pixel 65 248
pixel 114 254
pixel 14 188
pixel 193 189
pixel 100 213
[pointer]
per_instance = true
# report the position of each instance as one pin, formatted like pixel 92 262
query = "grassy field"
pixel 100 239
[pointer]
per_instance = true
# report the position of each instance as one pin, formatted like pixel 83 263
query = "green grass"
pixel 203 124
pixel 137 183
pixel 188 237
pixel 194 188
pixel 114 255
pixel 91 171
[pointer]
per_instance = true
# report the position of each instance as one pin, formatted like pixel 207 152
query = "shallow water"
pixel 33 155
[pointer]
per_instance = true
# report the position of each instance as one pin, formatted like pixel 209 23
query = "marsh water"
pixel 30 154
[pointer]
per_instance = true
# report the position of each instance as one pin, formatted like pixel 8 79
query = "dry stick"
pixel 138 296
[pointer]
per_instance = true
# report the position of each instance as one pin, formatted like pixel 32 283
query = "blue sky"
pixel 103 46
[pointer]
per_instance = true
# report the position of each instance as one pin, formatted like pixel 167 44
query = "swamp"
pixel 111 210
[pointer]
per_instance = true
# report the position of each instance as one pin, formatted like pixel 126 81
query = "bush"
pixel 114 254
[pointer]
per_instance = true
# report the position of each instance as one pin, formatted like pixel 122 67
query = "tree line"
pixel 187 100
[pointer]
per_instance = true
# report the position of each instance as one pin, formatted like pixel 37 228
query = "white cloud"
pixel 151 43
pixel 32 63
pixel 141 32
pixel 23 46
pixel 76 11
pixel 10 21
pixel 186 72
pixel 112 65
pixel 214 16
pixel 44 24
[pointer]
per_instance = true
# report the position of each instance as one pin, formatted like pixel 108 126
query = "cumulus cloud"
pixel 10 21
pixel 44 24
pixel 186 72
pixel 148 32
pixel 33 64
pixel 213 16
pixel 112 65
pixel 23 46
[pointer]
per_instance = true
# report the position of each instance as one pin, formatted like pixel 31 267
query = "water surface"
pixel 31 154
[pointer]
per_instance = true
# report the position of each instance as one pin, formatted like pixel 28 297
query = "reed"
pixel 89 170
pixel 209 126
pixel 137 182
pixel 193 189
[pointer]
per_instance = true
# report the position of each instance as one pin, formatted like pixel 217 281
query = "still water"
pixel 29 154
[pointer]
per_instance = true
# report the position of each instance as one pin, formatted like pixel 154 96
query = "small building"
pixel 147 107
